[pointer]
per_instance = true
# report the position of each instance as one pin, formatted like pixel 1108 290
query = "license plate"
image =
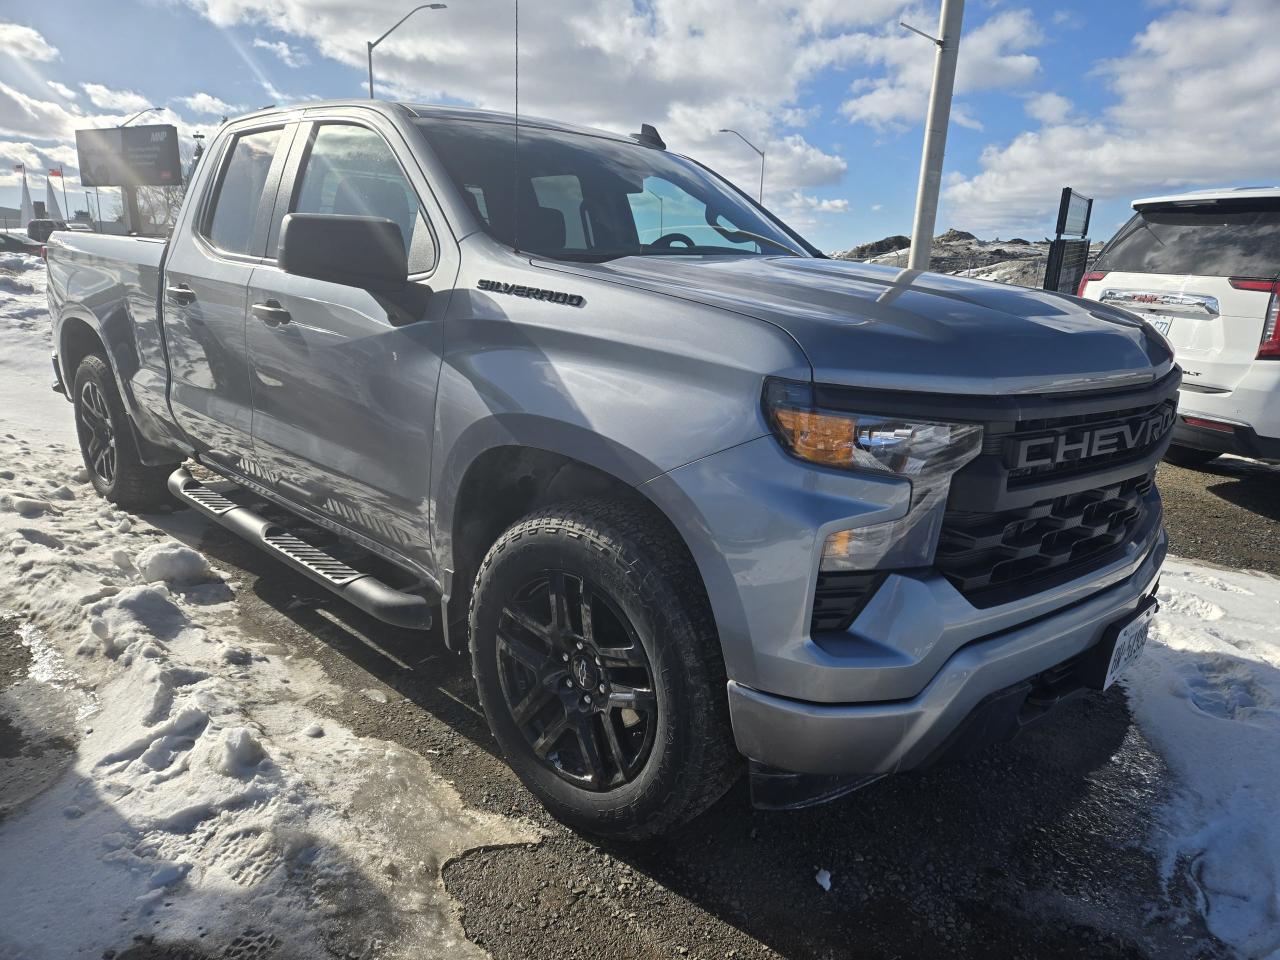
pixel 1160 323
pixel 1130 641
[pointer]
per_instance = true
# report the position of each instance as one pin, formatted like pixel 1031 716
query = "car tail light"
pixel 1269 346
pixel 1089 278
pixel 1217 425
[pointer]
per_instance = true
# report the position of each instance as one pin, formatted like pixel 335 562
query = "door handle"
pixel 271 313
pixel 180 294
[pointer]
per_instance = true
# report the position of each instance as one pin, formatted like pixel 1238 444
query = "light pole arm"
pixel 373 43
pixel 138 114
pixel 760 197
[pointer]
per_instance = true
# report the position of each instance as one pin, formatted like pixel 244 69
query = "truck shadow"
pixel 1035 847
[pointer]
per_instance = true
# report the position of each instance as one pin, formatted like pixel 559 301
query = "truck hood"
pixel 884 327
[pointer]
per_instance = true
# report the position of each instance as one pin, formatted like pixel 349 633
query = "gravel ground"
pixel 1227 512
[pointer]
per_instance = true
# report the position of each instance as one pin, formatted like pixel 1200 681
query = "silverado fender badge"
pixel 532 293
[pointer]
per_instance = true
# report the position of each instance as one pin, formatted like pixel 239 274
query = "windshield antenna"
pixel 515 161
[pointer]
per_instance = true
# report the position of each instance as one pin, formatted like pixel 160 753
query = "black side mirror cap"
pixel 365 252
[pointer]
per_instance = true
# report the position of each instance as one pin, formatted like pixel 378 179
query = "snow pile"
pixel 206 799
pixel 172 561
pixel 1207 695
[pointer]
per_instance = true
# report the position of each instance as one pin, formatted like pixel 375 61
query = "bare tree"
pixel 158 206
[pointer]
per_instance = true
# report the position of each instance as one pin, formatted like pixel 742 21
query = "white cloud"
pixel 25 43
pixel 688 66
pixel 1048 107
pixel 207 104
pixel 1191 110
pixel 61 89
pixel 287 55
pixel 992 56
pixel 105 98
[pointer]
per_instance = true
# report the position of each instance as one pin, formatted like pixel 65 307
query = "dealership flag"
pixel 56 172
pixel 19 168
pixel 27 212
pixel 51 201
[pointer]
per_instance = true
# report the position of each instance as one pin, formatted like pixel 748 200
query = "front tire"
pixel 107 443
pixel 599 669
pixel 1191 457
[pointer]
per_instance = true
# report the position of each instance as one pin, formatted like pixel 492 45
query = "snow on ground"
pixel 25 371
pixel 208 798
pixel 1206 693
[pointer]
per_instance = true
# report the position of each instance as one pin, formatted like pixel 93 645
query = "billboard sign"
pixel 1073 214
pixel 129 156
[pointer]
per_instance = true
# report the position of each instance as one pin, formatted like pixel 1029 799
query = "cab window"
pixel 351 170
pixel 239 197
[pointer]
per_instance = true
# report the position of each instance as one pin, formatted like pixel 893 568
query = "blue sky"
pixel 1048 94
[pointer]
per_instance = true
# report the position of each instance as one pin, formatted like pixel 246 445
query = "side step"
pixel 361 589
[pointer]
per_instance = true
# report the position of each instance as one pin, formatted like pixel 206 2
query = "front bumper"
pixel 873 738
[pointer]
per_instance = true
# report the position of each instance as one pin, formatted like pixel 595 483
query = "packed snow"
pixel 203 792
pixel 207 793
pixel 1207 695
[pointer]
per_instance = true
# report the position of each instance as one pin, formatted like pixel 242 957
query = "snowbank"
pixel 1206 693
pixel 26 402
pixel 206 799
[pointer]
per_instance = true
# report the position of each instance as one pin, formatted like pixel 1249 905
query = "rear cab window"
pixel 237 202
pixel 1220 239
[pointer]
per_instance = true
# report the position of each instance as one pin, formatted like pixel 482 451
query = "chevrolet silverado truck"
pixel 695 498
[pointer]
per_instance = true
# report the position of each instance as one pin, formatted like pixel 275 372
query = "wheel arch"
pixel 505 482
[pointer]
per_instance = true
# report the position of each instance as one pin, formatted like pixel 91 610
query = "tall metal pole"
pixel 935 133
pixel 370 44
pixel 62 181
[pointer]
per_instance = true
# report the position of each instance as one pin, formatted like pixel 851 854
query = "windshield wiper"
pixel 731 234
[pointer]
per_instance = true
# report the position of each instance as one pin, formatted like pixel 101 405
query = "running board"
pixel 361 589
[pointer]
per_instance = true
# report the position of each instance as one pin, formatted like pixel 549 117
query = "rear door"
pixel 1203 273
pixel 344 388
pixel 206 284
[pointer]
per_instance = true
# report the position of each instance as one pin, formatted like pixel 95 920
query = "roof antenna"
pixel 515 184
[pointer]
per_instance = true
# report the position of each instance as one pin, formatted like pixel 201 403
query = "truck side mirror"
pixel 365 252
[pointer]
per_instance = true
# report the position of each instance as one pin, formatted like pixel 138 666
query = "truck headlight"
pixel 926 452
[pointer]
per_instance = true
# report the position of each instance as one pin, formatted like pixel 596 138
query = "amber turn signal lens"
pixel 819 437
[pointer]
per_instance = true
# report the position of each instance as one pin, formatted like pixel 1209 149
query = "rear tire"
pixel 618 720
pixel 1191 457
pixel 107 442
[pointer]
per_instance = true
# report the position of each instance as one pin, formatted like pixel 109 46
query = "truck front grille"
pixel 1071 428
pixel 998 557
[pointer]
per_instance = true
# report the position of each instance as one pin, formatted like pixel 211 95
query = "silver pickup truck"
pixel 686 490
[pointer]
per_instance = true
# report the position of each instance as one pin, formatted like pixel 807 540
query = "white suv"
pixel 1204 269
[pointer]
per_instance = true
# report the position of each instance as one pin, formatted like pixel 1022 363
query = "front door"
pixel 344 380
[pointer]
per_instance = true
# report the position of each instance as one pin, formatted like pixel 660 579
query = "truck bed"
pixel 111 285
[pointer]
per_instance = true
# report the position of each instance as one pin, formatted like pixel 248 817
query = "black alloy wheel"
pixel 97 435
pixel 598 665
pixel 577 681
pixel 108 444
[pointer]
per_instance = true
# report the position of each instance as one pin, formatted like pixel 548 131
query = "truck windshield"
pixel 584 197
pixel 1225 239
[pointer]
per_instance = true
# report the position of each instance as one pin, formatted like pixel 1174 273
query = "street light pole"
pixel 935 132
pixel 373 43
pixel 138 114
pixel 757 150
